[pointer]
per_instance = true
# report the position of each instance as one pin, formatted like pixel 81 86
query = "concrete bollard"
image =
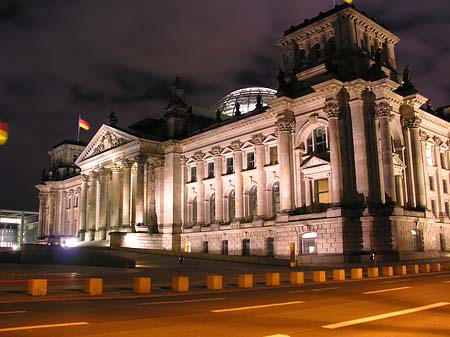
pixel 142 285
pixel 445 265
pixel 319 276
pixel 356 273
pixel 425 268
pixel 297 277
pixel 245 280
pixel 37 287
pixel 272 279
pixel 388 271
pixel 94 286
pixel 372 272
pixel 338 274
pixel 436 266
pixel 180 283
pixel 414 268
pixel 400 270
pixel 214 282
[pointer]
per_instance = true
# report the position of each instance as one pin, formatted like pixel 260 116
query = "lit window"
pixel 253 201
pixel 416 236
pixel 212 208
pixel 273 152
pixel 230 165
pixel 231 206
pixel 322 191
pixel 193 173
pixel 210 170
pixel 276 198
pixel 308 243
pixel 429 155
pixel 250 160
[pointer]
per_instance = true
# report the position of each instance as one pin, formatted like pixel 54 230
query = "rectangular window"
pixel 322 191
pixel 270 247
pixel 273 152
pixel 445 186
pixel 431 180
pixel 68 203
pixel 309 246
pixel 230 165
pixel 205 247
pixel 211 170
pixel 250 160
pixel 429 155
pixel 75 205
pixel 320 140
pixel 246 247
pixel 443 163
pixel 447 209
pixel 193 173
pixel 433 207
pixel 225 247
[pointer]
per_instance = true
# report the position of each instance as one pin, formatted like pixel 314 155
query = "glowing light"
pixel 14 247
pixel 130 240
pixel 72 242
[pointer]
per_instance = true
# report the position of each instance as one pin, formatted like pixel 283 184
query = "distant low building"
pixel 18 227
pixel 346 158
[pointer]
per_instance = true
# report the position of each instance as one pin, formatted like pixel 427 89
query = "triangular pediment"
pixel 105 139
pixel 313 161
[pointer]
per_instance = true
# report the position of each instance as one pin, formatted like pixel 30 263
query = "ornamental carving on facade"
pixel 412 122
pixel 437 141
pixel 84 178
pixel 183 160
pixel 107 142
pixel 158 163
pixel 94 175
pixel 199 155
pixel 383 109
pixel 423 136
pixel 258 139
pixel 236 145
pixel 126 163
pixel 140 159
pixel 286 124
pixel 116 167
pixel 332 109
pixel 216 150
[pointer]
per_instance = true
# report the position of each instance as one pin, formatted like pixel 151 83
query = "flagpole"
pixel 78 128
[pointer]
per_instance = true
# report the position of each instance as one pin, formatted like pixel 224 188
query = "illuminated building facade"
pixel 346 159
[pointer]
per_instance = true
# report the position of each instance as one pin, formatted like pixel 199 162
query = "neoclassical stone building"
pixel 344 159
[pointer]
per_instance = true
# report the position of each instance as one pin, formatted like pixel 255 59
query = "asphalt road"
pixel 413 305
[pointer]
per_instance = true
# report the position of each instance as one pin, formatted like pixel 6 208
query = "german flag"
pixel 83 124
pixel 348 1
pixel 4 131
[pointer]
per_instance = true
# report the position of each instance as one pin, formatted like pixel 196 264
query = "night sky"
pixel 59 58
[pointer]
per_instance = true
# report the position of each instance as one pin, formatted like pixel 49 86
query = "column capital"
pixel 438 141
pixel 286 124
pixel 126 163
pixel 216 151
pixel 84 178
pixel 103 171
pixel 411 122
pixel 236 145
pixel 331 108
pixel 94 175
pixel 383 109
pixel 158 163
pixel 423 136
pixel 183 160
pixel 140 159
pixel 198 156
pixel 116 167
pixel 258 139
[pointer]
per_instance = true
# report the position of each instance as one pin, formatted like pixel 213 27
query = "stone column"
pixel 92 206
pixel 308 200
pixel 146 168
pixel 382 113
pixel 285 126
pixel 419 178
pixel 200 188
pixel 103 202
pixel 152 223
pixel 184 179
pixel 333 112
pixel 83 207
pixel 42 214
pixel 239 188
pixel 140 161
pixel 439 183
pixel 216 150
pixel 260 175
pixel 51 210
pixel 126 192
pixel 409 170
pixel 116 169
pixel 399 184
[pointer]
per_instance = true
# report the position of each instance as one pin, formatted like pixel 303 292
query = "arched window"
pixel 253 202
pixel 316 142
pixel 194 210
pixel 212 208
pixel 316 53
pixel 232 205
pixel 276 198
pixel 308 243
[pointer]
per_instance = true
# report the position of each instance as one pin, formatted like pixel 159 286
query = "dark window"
pixel 431 180
pixel 443 161
pixel 316 53
pixel 309 144
pixel 193 173
pixel 445 186
pixel 246 247
pixel 250 160
pixel 276 198
pixel 447 209
pixel 433 207
pixel 232 206
pixel 308 243
pixel 224 247
pixel 212 208
pixel 211 170
pixel 253 201
pixel 205 247
pixel 230 165
pixel 273 155
pixel 194 210
pixel 417 243
pixel 270 246
pixel 320 140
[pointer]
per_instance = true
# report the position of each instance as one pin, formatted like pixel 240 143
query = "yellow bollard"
pixel 319 276
pixel 372 272
pixel 400 270
pixel 37 287
pixel 356 273
pixel 425 268
pixel 338 274
pixel 272 279
pixel 180 283
pixel 297 277
pixel 388 271
pixel 436 266
pixel 414 268
pixel 142 285
pixel 214 282
pixel 94 286
pixel 245 280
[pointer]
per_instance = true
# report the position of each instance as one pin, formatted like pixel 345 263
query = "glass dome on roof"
pixel 246 98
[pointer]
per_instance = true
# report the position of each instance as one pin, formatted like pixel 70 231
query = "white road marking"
pixel 296 291
pixel 405 280
pixel 278 335
pixel 30 327
pixel 443 275
pixel 382 316
pixel 12 312
pixel 322 289
pixel 185 301
pixel 384 290
pixel 258 306
pixel 446 281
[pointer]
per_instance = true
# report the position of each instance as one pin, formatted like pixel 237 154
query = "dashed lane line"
pixel 297 291
pixel 258 306
pixel 384 290
pixel 185 301
pixel 32 327
pixel 383 316
pixel 323 289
